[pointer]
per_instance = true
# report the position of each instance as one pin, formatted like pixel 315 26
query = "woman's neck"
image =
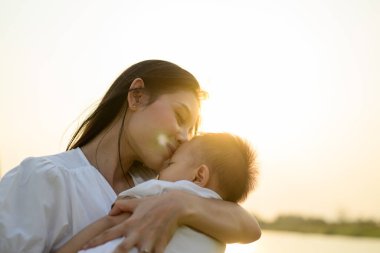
pixel 103 153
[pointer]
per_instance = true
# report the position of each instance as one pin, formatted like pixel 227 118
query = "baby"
pixel 212 165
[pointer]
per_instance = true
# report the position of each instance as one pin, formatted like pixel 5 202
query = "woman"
pixel 146 114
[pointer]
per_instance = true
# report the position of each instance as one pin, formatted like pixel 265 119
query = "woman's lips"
pixel 171 148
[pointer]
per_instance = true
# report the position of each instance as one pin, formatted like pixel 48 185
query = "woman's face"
pixel 155 131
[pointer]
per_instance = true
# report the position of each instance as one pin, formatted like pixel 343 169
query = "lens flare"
pixel 162 139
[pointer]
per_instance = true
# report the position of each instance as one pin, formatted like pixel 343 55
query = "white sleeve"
pixel 34 210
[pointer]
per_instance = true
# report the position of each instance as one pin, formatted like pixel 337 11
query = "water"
pixel 288 242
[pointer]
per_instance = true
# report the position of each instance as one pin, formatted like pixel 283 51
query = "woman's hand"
pixel 151 225
pixel 155 219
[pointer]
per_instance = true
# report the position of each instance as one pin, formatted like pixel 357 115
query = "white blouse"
pixel 46 200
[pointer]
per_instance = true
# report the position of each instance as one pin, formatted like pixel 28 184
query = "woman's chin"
pixel 157 165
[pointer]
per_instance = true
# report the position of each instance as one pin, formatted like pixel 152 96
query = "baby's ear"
pixel 202 175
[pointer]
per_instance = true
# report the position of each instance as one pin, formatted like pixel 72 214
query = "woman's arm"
pixel 76 243
pixel 155 219
pixel 226 221
pixel 33 207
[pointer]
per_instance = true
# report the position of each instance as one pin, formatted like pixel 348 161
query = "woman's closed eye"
pixel 180 119
pixel 184 119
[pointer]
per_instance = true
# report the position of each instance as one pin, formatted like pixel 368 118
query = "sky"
pixel 298 79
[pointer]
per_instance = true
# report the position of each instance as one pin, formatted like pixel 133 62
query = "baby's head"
pixel 222 162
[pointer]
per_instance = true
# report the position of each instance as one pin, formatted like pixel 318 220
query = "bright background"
pixel 299 79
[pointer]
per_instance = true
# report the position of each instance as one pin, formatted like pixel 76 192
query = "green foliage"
pixel 315 225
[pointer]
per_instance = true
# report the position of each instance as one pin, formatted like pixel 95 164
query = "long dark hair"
pixel 159 77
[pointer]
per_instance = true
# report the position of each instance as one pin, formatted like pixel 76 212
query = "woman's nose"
pixel 183 136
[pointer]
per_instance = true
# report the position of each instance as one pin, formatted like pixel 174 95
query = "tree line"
pixel 362 228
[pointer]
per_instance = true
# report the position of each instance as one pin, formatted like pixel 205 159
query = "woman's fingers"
pixel 155 220
pixel 127 244
pixel 145 241
pixel 124 205
pixel 151 225
pixel 140 237
pixel 108 235
pixel 160 243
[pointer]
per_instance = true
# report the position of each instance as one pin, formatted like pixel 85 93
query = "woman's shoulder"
pixel 52 165
pixel 69 159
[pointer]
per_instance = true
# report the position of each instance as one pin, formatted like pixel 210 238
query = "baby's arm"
pixel 76 243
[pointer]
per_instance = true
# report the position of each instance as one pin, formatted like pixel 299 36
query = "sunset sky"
pixel 299 79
